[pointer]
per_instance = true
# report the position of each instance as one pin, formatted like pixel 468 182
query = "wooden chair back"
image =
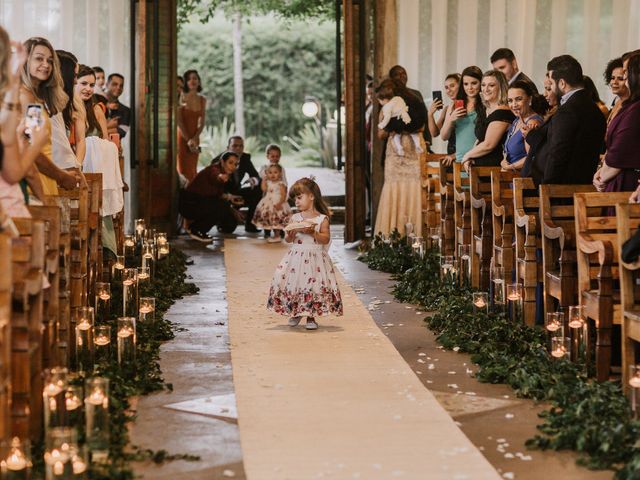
pixel 502 219
pixel 462 216
pixel 597 259
pixel 431 192
pixel 447 210
pixel 628 219
pixel 526 209
pixel 481 225
pixel 94 240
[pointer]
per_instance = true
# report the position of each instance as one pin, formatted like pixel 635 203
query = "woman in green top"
pixel 462 120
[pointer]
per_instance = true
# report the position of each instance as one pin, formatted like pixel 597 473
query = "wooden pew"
pixel 63 334
pixel 461 212
pixel 597 258
pixel 447 209
pixel 79 233
pixel 94 238
pixel 430 192
pixel 557 232
pixel 481 225
pixel 526 208
pixel 28 257
pixel 5 335
pixel 502 218
pixel 628 220
pixel 51 217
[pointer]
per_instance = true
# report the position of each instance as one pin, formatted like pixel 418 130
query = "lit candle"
pixel 634 382
pixel 97 398
pixel 104 296
pixel 141 276
pixel 84 324
pixel 102 340
pixel 576 323
pixel 16 461
pixel 118 266
pixel 146 309
pixel 559 352
pixel 480 303
pixel 79 466
pixel 125 332
pixel 514 296
pixel 52 389
pixel 128 282
pixel 553 327
pixel 58 468
pixel 72 402
pixel 163 250
pixel 129 242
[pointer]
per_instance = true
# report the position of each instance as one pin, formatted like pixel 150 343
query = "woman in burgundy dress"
pixel 620 171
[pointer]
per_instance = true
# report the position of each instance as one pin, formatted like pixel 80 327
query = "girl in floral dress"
pixel 273 211
pixel 304 284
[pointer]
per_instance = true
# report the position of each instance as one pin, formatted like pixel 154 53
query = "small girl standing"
pixel 304 284
pixel 273 211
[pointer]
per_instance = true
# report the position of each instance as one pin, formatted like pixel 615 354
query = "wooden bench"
pixel 526 210
pixel 27 256
pixel 431 193
pixel 461 212
pixel 628 220
pixel 5 336
pixel 79 235
pixel 51 217
pixel 597 258
pixel 481 225
pixel 557 232
pixel 447 209
pixel 502 219
pixel 94 237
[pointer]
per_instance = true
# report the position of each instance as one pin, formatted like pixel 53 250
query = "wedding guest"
pixel 191 118
pixel 576 134
pixel 614 76
pixel 95 112
pixel 100 82
pixel 68 128
pixel 118 114
pixel 42 84
pixel 590 87
pixel 451 86
pixel 461 119
pixel 504 60
pixel 491 128
pixel 521 101
pixel 621 167
pixel 248 190
pixel 536 138
pixel 398 74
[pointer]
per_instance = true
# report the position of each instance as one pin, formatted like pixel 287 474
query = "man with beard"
pixel 576 133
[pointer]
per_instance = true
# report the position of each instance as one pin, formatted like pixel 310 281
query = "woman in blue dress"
pixel 527 106
pixel 461 119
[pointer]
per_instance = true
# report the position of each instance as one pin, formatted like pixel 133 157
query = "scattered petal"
pixel 509 416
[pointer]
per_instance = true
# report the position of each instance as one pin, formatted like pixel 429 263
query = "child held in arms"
pixel 402 112
pixel 304 284
pixel 273 211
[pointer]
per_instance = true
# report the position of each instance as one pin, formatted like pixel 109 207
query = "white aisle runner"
pixel 337 403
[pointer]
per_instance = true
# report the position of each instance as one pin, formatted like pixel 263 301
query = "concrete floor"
pixel 197 362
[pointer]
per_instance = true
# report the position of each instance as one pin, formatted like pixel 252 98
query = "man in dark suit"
pixel 575 138
pixel 249 190
pixel 505 61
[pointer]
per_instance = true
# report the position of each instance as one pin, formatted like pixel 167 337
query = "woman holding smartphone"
pixel 451 87
pixel 461 119
pixel 42 84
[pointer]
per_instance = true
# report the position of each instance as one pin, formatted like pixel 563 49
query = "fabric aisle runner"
pixel 336 403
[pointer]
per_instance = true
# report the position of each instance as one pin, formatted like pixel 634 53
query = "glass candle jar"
pixel 147 309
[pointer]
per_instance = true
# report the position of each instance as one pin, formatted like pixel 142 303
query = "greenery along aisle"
pixel 589 417
pixel 142 377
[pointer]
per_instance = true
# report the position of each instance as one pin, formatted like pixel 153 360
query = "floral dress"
pixel 267 215
pixel 304 283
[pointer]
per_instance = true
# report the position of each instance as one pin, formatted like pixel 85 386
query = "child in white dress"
pixel 273 211
pixel 273 152
pixel 398 116
pixel 304 284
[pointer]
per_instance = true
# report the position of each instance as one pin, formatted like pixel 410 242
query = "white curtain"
pixel 437 37
pixel 95 31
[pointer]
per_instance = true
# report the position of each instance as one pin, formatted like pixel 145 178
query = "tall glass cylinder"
pixel 499 293
pixel 96 402
pixel 160 238
pixel 144 280
pixel 147 309
pixel 148 258
pixel 126 340
pixel 464 267
pixel 102 342
pixel 434 237
pixel 515 302
pixel 139 228
pixel 578 328
pixel 561 347
pixel 554 326
pixel 480 302
pixel 418 247
pixel 163 250
pixel 408 229
pixel 129 250
pixel 103 301
pixel 15 459
pixel 129 292
pixel 84 339
pixel 61 445
pixel 53 396
pixel 448 268
pixel 73 404
pixel 634 384
pixel 117 268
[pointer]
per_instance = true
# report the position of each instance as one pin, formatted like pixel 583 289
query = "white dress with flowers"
pixel 304 283
pixel 267 215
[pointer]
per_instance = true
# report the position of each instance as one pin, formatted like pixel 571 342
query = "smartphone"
pixel 458 104
pixel 437 95
pixel 33 118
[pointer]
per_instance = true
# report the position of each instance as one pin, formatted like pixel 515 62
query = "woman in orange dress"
pixel 190 124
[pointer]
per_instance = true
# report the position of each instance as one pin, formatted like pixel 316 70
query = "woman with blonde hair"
pixel 42 84
pixel 491 128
